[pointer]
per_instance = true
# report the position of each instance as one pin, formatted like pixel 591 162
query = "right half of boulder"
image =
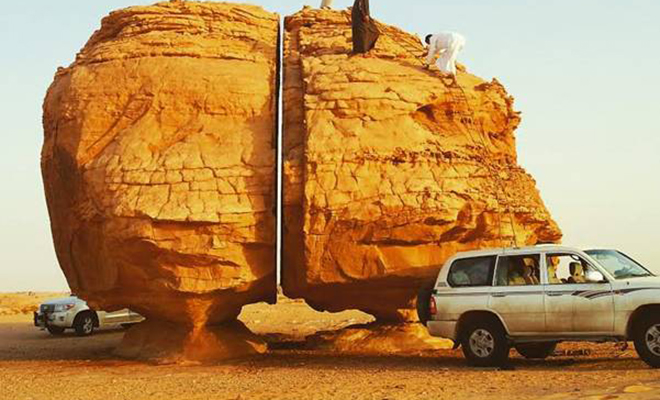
pixel 389 170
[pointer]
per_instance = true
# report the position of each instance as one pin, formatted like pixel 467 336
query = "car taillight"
pixel 432 307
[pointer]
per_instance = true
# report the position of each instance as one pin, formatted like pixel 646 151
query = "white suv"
pixel 533 298
pixel 71 312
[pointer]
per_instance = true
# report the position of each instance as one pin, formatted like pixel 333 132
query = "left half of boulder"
pixel 159 166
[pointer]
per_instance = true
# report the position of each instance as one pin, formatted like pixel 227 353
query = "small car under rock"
pixel 73 313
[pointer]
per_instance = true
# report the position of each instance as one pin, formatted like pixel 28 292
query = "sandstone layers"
pixel 389 170
pixel 159 165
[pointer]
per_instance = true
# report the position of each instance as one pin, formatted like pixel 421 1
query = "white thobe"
pixel 326 3
pixel 447 45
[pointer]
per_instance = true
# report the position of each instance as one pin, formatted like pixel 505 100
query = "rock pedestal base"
pixel 168 343
pixel 377 338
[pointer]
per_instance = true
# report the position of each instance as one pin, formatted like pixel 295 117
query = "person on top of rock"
pixel 327 4
pixel 365 31
pixel 447 45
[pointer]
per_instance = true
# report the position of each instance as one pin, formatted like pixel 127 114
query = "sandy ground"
pixel 35 365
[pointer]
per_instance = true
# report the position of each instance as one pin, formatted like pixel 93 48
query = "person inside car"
pixel 530 271
pixel 577 273
pixel 553 263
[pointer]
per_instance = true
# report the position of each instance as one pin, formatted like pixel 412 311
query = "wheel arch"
pixel 637 316
pixel 478 315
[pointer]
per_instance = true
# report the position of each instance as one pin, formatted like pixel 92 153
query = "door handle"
pixel 555 294
pixel 499 294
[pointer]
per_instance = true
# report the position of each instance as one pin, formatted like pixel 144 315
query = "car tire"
pixel 536 351
pixel 484 344
pixel 423 299
pixel 55 330
pixel 84 323
pixel 647 340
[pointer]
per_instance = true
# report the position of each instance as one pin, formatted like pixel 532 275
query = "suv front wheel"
pixel 647 340
pixel 484 344
pixel 84 323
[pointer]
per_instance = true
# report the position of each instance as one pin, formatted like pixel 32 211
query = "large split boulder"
pixel 159 167
pixel 390 170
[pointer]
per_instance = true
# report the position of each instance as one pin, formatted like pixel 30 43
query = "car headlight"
pixel 64 307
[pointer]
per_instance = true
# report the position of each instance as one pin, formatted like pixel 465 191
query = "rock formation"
pixel 159 170
pixel 390 170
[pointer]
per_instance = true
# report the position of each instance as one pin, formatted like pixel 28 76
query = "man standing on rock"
pixel 365 31
pixel 327 4
pixel 447 45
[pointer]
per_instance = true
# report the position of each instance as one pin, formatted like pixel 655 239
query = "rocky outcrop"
pixel 389 169
pixel 159 162
pixel 374 339
pixel 169 342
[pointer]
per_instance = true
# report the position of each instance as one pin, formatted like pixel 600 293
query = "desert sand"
pixel 35 365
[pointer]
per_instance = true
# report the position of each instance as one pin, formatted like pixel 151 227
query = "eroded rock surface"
pixel 159 162
pixel 169 342
pixel 407 338
pixel 389 170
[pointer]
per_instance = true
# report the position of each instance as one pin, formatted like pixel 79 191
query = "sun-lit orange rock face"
pixel 389 170
pixel 159 161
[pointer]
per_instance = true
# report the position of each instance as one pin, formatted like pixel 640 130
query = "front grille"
pixel 47 308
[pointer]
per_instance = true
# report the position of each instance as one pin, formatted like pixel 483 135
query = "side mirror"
pixel 594 277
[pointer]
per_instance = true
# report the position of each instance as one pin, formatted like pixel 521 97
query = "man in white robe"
pixel 447 45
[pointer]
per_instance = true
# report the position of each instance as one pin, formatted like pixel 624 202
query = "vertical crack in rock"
pixel 389 171
pixel 159 165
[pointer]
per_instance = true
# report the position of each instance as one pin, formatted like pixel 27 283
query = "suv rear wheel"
pixel 484 344
pixel 647 340
pixel 539 351
pixel 84 323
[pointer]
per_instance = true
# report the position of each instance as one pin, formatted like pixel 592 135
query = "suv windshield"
pixel 618 264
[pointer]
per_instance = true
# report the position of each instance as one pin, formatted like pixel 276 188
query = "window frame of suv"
pixel 541 261
pixel 489 282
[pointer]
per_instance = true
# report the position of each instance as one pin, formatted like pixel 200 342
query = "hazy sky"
pixel 585 74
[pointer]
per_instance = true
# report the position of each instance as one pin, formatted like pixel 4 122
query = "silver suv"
pixel 73 313
pixel 533 298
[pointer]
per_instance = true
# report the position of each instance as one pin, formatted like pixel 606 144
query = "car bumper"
pixel 59 319
pixel 445 329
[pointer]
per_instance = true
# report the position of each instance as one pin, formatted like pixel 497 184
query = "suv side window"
pixel 518 270
pixel 472 272
pixel 567 269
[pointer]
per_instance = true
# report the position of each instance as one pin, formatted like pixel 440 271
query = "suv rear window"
pixel 472 272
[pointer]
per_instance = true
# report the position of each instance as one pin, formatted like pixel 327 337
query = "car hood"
pixel 65 300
